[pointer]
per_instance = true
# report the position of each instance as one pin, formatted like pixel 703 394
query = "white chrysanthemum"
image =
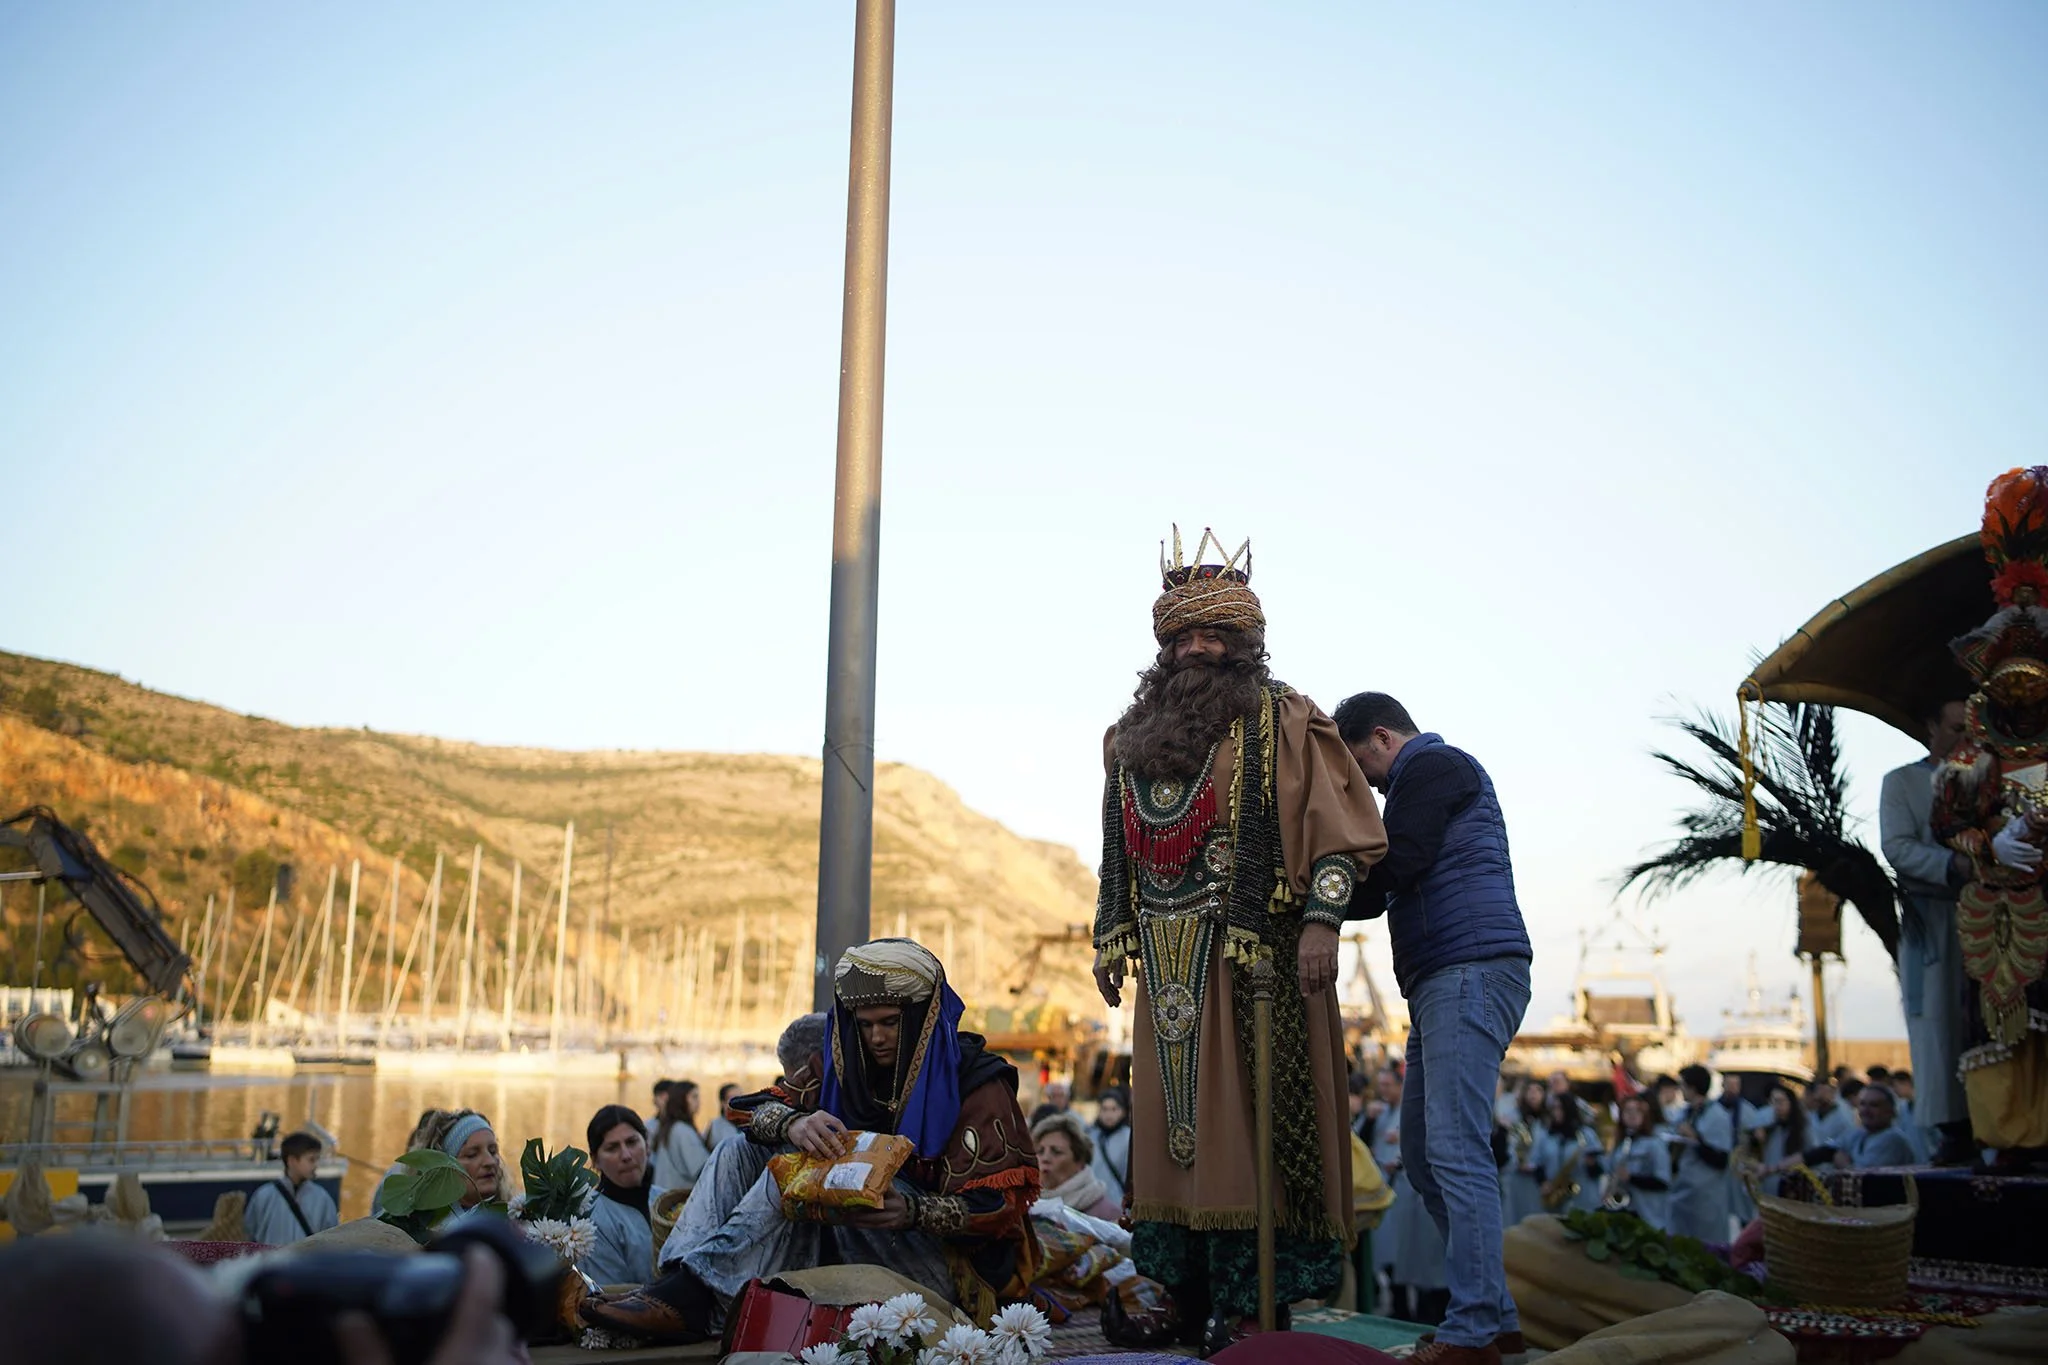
pixel 827 1353
pixel 1022 1331
pixel 868 1325
pixel 906 1319
pixel 964 1345
pixel 551 1233
pixel 579 1239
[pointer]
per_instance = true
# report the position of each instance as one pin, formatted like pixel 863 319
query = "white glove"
pixel 2012 850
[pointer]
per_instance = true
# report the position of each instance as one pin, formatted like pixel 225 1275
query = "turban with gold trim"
pixel 1218 596
pixel 887 971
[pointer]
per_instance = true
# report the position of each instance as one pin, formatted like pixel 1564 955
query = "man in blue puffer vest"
pixel 1461 956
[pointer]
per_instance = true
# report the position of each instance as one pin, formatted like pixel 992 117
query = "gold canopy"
pixel 1882 649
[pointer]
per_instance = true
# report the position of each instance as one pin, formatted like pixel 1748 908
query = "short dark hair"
pixel 1849 1088
pixel 298 1144
pixel 727 1091
pixel 1878 1074
pixel 1930 712
pixel 604 1120
pixel 1905 1076
pixel 1361 714
pixel 1696 1078
pixel 663 1086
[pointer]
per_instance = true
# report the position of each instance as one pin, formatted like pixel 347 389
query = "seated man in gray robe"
pixel 1878 1140
pixel 894 1061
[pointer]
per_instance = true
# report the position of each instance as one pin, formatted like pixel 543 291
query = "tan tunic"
pixel 1326 806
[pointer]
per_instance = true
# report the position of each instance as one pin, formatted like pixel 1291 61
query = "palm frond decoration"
pixel 1801 807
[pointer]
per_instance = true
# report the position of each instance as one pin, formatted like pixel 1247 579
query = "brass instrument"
pixel 1617 1195
pixel 1564 1187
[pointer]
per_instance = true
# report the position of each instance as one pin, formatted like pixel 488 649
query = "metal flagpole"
pixel 846 827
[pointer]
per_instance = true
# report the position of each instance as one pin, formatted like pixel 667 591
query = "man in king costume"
pixel 895 1060
pixel 1991 804
pixel 1235 825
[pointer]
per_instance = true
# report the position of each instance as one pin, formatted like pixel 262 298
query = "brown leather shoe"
pixel 1434 1352
pixel 1507 1343
pixel 643 1317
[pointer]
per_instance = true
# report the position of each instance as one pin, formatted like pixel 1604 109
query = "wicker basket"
pixel 662 1216
pixel 1827 1253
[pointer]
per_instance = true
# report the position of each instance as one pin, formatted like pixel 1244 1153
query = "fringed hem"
pixel 1992 1053
pixel 1199 1220
pixel 1240 1219
pixel 1014 1178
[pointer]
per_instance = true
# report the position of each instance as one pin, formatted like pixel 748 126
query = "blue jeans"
pixel 1461 1019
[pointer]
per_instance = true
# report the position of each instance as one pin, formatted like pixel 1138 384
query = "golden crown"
pixel 1180 572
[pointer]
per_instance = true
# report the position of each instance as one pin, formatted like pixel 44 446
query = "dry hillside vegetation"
pixel 196 801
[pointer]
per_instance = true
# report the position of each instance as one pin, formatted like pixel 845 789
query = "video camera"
pixel 287 1311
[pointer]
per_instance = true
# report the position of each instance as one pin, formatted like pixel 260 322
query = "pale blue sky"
pixel 472 371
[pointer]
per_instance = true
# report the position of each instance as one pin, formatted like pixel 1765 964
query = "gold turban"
pixel 1215 595
pixel 886 971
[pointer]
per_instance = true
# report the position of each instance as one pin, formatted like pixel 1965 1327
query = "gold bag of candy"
pixel 859 1180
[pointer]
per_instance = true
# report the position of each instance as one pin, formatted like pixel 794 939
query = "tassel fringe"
pixel 1240 1219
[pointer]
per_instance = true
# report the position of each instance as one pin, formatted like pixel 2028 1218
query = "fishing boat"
pixel 184 1179
pixel 1622 1014
pixel 1760 1046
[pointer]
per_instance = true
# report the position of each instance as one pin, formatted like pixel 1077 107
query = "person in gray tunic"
pixel 1567 1153
pixel 1877 1140
pixel 1111 1135
pixel 1639 1168
pixel 619 1206
pixel 1931 978
pixel 293 1207
pixel 1521 1181
pixel 1702 1184
pixel 721 1128
pixel 1785 1141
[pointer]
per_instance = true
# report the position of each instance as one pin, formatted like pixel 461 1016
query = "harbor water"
pixel 370 1115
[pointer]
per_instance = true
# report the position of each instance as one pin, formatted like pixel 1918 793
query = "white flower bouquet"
pixel 895 1332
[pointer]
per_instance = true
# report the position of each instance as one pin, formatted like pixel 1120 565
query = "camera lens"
pixel 288 1310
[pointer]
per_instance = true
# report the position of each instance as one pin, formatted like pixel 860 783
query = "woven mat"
pixel 1923 1310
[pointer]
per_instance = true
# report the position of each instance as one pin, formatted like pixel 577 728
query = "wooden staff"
pixel 1263 978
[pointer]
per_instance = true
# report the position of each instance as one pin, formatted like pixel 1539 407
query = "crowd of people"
pixel 1677 1153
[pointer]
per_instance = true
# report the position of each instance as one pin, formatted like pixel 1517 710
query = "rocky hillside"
pixel 200 802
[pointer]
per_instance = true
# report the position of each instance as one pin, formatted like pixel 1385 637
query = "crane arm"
pixel 122 906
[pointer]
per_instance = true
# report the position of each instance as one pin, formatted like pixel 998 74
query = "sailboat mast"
pixel 205 938
pixel 511 963
pixel 427 987
pixel 390 945
pixel 476 872
pixel 348 955
pixel 261 1012
pixel 561 939
pixel 220 956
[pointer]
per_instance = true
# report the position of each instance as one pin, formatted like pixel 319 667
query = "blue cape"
pixel 932 1111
